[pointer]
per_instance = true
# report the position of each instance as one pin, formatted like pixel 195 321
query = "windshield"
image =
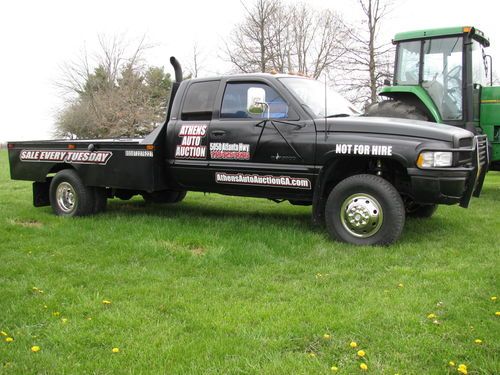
pixel 311 93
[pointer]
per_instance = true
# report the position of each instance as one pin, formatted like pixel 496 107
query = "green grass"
pixel 225 285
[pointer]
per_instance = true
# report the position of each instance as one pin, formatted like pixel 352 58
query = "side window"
pixel 199 101
pixel 408 64
pixel 245 100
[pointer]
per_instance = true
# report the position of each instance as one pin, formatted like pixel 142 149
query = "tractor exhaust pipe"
pixel 177 69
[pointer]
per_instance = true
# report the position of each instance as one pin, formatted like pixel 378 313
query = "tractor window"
pixel 408 64
pixel 479 74
pixel 442 75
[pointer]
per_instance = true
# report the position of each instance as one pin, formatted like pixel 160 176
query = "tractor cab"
pixel 444 76
pixel 449 65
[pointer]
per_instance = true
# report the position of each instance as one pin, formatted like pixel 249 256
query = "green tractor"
pixel 444 76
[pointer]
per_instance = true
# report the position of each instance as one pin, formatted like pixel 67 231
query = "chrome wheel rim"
pixel 66 197
pixel 361 215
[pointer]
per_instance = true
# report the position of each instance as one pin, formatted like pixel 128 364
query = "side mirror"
pixel 256 101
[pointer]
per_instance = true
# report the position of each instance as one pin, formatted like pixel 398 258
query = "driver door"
pixel 258 142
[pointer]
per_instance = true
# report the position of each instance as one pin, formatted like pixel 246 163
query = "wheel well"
pixel 57 168
pixel 341 168
pixel 411 99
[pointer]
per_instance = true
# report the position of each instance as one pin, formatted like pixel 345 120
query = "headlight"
pixel 433 159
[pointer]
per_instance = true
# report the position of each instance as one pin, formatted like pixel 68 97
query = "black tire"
pixel 397 109
pixel 380 212
pixel 421 211
pixel 69 196
pixel 100 200
pixel 165 196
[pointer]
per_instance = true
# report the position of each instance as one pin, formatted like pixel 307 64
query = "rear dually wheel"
pixel 69 196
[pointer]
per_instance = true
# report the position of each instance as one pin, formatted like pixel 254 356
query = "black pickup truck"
pixel 280 137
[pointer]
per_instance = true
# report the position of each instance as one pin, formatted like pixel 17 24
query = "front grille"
pixel 465 142
pixel 465 158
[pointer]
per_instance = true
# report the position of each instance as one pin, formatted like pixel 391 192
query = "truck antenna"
pixel 326 111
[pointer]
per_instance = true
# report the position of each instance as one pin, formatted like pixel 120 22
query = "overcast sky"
pixel 37 37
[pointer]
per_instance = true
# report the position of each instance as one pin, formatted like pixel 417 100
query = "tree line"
pixel 119 95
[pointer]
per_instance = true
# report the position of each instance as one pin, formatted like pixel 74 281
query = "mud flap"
pixel 41 196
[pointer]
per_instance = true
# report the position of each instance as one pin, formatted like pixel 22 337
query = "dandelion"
pixel 363 366
pixel 361 353
pixel 115 350
pixel 45 306
pixel 9 339
pixel 56 313
pixel 64 320
pixel 89 318
pixel 451 363
pixel 497 313
pixel 493 298
pixel 106 302
pixel 312 355
pixel 334 368
pixel 35 348
pixel 353 344
pixel 431 316
pixel 478 341
pixel 400 285
pixel 3 333
pixel 462 369
pixel 326 336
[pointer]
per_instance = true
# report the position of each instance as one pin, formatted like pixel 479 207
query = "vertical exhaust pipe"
pixel 175 85
pixel 177 69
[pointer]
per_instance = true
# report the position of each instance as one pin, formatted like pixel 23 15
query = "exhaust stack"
pixel 177 69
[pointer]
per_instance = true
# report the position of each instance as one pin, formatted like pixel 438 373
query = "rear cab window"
pixel 199 101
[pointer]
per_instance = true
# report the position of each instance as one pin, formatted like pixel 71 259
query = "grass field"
pixel 224 285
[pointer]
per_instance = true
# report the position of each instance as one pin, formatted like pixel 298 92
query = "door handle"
pixel 218 133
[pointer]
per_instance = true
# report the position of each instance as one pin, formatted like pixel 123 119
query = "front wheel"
pixel 365 210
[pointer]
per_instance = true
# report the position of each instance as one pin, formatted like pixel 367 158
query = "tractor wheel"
pixel 421 211
pixel 165 196
pixel 69 196
pixel 365 210
pixel 395 108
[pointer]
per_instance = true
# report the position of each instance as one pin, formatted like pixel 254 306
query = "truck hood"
pixel 396 126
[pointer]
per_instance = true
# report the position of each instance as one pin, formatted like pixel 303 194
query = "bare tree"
pixel 286 38
pixel 368 62
pixel 318 40
pixel 248 48
pixel 195 67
